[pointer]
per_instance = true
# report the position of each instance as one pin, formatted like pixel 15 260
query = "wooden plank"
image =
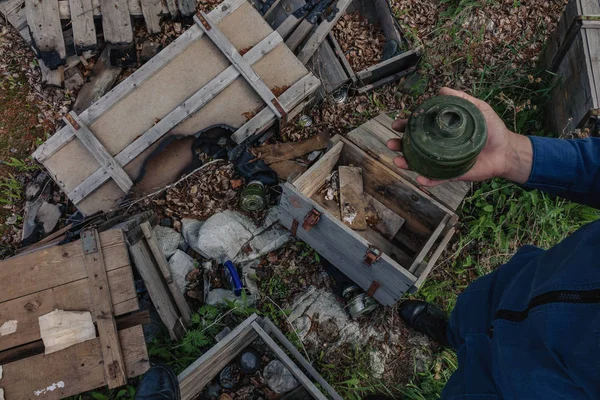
pixel 389 222
pixel 163 265
pixel 101 80
pixel 315 177
pixel 327 66
pixel 112 356
pixel 172 7
pixel 70 296
pixel 434 257
pixel 386 81
pixel 116 22
pixel 344 248
pixel 341 56
pixel 394 65
pixel 289 99
pixel 288 25
pixel 152 10
pixel 71 371
pixel 319 35
pixel 175 117
pixel 388 23
pixel 273 330
pixel 135 9
pixel 157 290
pixel 429 244
pixel 372 137
pixel 352 199
pixel 195 377
pixel 187 7
pixel 288 170
pixel 240 63
pixel 46 31
pixel 93 145
pixel 145 72
pixel 55 266
pixel 273 153
pixel 299 34
pixel 82 20
pixel 289 364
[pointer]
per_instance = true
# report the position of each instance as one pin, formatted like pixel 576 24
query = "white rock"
pixel 279 378
pixel 48 214
pixel 190 228
pixel 181 264
pixel 168 239
pixel 223 235
pixel 269 240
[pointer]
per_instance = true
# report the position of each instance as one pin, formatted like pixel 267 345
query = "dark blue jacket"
pixel 531 329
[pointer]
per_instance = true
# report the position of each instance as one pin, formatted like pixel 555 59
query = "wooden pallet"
pixel 194 378
pixel 93 274
pixel 199 80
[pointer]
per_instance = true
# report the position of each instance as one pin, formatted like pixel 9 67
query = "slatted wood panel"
pixel 84 30
pixel 73 370
pixel 36 283
pixel 46 31
pixel 160 86
pixel 372 137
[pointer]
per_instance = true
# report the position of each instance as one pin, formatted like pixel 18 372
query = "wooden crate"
pixel 195 378
pixel 93 274
pixel 405 260
pixel 199 80
pixel 573 53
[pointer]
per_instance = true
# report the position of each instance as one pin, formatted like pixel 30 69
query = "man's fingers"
pixel 394 144
pixel 421 180
pixel 451 92
pixel 401 162
pixel 399 125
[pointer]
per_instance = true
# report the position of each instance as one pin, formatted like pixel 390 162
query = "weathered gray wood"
pixel 288 25
pixel 46 31
pixel 390 222
pixel 273 330
pixel 299 34
pixel 315 177
pixel 175 117
pixel 352 200
pixel 100 81
pixel 290 365
pixel 145 72
pixel 135 9
pixel 240 63
pixel 372 137
pixel 387 20
pixel 389 67
pixel 195 377
pixel 341 56
pixel 172 7
pixel 319 35
pixel 187 7
pixel 327 66
pixel 385 81
pixel 93 145
pixel 152 10
pixel 82 20
pixel 344 248
pixel 163 265
pixel 429 244
pixel 14 12
pixel 116 22
pixel 289 99
pixel 434 257
pixel 157 290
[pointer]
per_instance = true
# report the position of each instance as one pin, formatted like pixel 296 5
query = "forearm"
pixel 519 158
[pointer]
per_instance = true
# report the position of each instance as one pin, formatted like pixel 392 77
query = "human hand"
pixel 497 158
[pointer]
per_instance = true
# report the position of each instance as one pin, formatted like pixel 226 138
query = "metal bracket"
pixel 311 219
pixel 373 288
pixel 372 255
pixel 294 228
pixel 199 18
pixel 88 242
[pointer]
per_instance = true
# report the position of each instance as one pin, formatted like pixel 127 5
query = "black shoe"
pixel 159 383
pixel 425 318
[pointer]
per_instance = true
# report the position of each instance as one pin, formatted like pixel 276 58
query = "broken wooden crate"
pixel 92 274
pixel 199 80
pixel 384 268
pixel 198 375
pixel 573 53
pixel 319 49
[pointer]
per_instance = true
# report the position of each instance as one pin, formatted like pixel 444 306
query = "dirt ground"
pixel 467 45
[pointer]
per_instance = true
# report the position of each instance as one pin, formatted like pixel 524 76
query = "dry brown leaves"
pixel 203 194
pixel 361 41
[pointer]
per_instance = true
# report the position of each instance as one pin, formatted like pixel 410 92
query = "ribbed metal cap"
pixel 443 137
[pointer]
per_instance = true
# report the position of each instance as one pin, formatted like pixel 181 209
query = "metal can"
pixel 359 303
pixel 253 197
pixel 443 137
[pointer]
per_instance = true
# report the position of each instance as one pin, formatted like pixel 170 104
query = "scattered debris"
pixel 279 378
pixel 168 239
pixel 181 265
pixel 48 215
pixel 361 41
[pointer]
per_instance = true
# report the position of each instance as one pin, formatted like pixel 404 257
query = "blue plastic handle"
pixel 234 278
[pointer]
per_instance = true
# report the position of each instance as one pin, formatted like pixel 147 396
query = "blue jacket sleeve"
pixel 567 168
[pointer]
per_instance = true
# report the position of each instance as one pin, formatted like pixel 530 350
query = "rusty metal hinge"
pixel 311 219
pixel 372 255
pixel 373 288
pixel 294 228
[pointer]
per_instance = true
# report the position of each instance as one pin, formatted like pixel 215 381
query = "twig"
pixel 291 326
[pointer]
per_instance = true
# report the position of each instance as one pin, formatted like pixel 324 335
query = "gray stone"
pixel 218 296
pixel 267 241
pixel 279 378
pixel 48 214
pixel 168 239
pixel 180 265
pixel 223 235
pixel 190 229
pixel 221 335
pixel 29 212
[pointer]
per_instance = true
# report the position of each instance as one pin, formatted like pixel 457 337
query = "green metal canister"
pixel 443 137
pixel 254 197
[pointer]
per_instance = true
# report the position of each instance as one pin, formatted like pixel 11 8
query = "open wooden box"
pixel 198 375
pixel 385 269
